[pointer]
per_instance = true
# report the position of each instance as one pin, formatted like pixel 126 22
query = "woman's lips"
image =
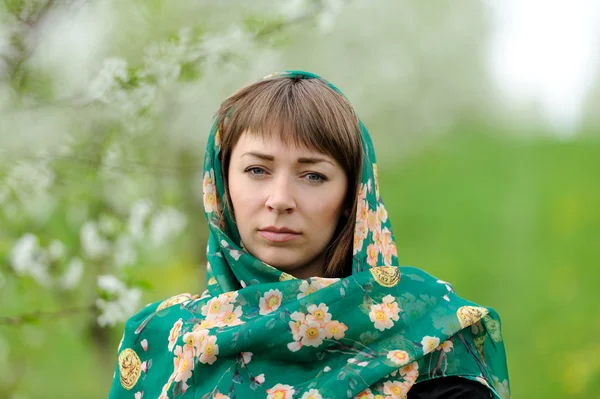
pixel 274 236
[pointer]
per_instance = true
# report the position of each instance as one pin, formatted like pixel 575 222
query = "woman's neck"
pixel 312 269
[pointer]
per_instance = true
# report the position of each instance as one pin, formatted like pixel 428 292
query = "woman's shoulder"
pixel 421 276
pixel 418 274
pixel 145 314
pixel 467 311
pixel 141 346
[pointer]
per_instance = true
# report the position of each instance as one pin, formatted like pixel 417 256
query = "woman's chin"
pixel 280 258
pixel 284 264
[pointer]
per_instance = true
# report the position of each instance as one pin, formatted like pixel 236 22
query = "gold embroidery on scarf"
pixel 130 368
pixel 479 343
pixel 387 276
pixel 469 315
pixel 212 281
pixel 285 277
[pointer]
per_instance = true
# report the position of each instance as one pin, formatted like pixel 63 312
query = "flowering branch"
pixel 118 205
pixel 36 316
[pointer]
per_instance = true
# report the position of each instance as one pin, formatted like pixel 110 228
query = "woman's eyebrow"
pixel 259 155
pixel 313 160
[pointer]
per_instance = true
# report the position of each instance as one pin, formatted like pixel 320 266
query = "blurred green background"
pixel 104 111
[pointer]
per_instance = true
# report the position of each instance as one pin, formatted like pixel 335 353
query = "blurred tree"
pixel 101 151
pixel 414 70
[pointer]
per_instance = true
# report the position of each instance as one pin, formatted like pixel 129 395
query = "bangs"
pixel 299 112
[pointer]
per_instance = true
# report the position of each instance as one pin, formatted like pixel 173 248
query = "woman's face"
pixel 287 201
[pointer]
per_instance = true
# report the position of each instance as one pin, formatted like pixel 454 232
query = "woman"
pixel 305 298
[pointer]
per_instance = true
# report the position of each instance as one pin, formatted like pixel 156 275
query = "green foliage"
pixel 512 225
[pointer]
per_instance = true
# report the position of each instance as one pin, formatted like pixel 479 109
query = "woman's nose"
pixel 280 197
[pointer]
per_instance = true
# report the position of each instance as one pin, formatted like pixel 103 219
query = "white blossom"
pixel 109 79
pixel 29 258
pixel 24 253
pixel 39 272
pixel 94 245
pixel 137 218
pixel 28 178
pixel 136 124
pixel 124 304
pixel 327 17
pixel 292 9
pixel 163 62
pixel 111 157
pixel 111 284
pixel 71 42
pixel 129 94
pixel 143 95
pixel 234 40
pixel 72 275
pixel 165 224
pixel 56 249
pixel 125 252
pixel 130 301
pixel 30 182
pixel 110 312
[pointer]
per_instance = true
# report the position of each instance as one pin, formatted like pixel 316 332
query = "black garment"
pixel 449 388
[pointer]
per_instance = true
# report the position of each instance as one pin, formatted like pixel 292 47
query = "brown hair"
pixel 303 112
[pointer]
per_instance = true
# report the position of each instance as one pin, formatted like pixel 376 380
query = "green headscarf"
pixel 257 332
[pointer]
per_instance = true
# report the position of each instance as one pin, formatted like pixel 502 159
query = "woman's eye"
pixel 315 177
pixel 255 171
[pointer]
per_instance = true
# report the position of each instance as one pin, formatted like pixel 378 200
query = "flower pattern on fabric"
pixel 385 314
pixel 446 346
pixel 257 332
pixel 399 357
pixel 314 284
pixel 429 343
pixel 270 302
pixel 366 394
pixel 209 350
pixel 396 389
pixel 312 394
pixel 311 328
pixel 210 192
pixel 281 391
pixel 174 334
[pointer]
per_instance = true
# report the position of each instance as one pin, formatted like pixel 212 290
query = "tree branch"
pixel 35 316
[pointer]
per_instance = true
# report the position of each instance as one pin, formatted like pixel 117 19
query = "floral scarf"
pixel 257 332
